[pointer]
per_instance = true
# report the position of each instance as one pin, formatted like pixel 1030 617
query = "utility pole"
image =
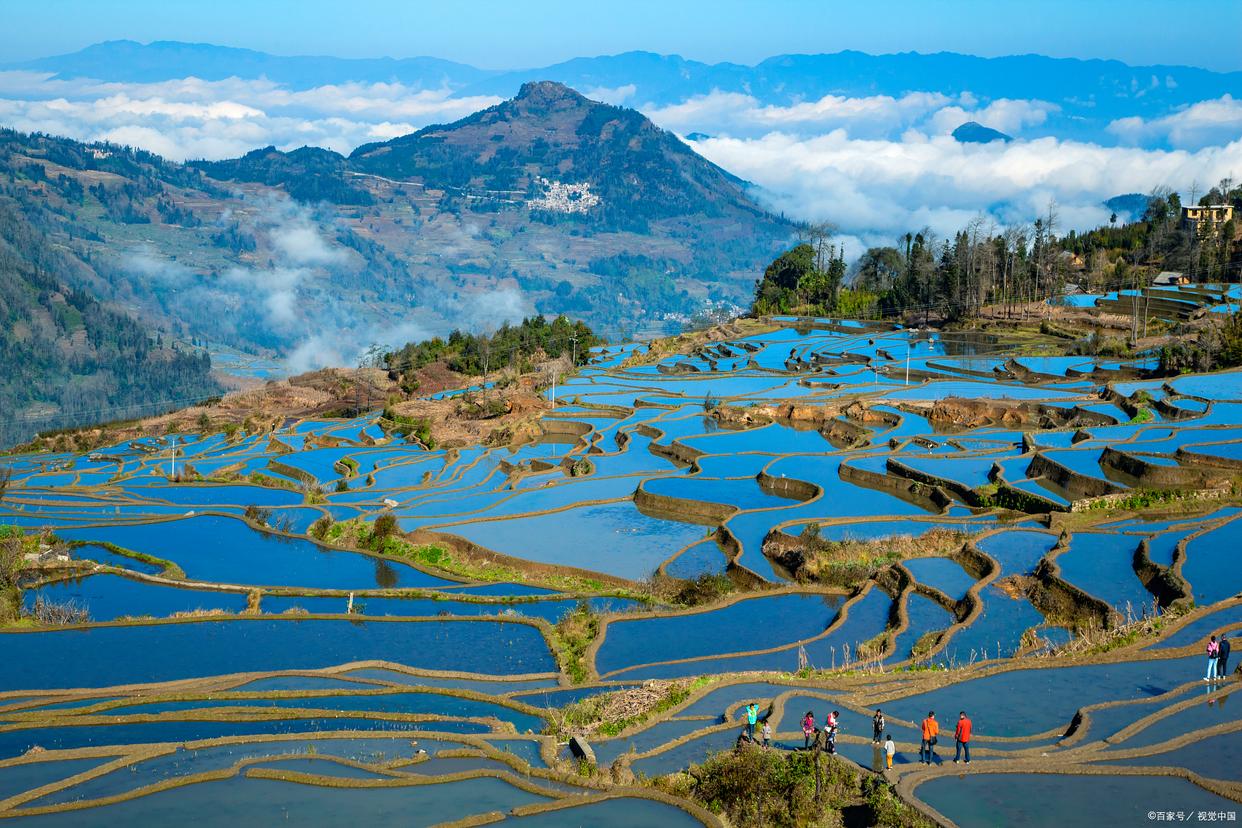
pixel 173 472
pixel 554 388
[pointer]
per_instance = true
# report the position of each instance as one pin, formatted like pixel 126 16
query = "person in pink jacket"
pixel 1213 653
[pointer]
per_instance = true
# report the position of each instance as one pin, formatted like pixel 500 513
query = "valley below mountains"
pixel 546 203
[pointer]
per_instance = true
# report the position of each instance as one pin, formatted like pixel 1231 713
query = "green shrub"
pixel 319 529
pixel 574 633
pixel 384 527
pixel 754 786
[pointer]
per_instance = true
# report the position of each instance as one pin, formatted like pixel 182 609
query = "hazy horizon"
pixel 1201 33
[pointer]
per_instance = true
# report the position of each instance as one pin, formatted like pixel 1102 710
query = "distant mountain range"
pixel 548 202
pixel 1090 93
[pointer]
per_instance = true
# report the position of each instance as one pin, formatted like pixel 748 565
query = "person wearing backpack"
pixel 962 737
pixel 890 749
pixel 877 726
pixel 931 729
pixel 1213 652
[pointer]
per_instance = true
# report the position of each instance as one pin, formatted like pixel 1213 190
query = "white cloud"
pixel 879 189
pixel 299 241
pixel 738 115
pixel 488 310
pixel 315 352
pixel 1203 124
pixel 1006 114
pixel 193 118
pixel 615 96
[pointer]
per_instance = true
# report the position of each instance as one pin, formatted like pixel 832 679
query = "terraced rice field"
pixel 244 671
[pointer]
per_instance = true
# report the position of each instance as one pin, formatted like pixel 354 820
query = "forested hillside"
pixel 308 174
pixel 512 346
pixel 953 278
pixel 68 360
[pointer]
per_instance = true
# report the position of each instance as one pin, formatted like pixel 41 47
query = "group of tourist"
pixel 930 731
pixel 1217 659
pixel 826 738
pixel 821 739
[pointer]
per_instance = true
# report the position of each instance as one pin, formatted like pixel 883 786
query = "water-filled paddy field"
pixel 233 666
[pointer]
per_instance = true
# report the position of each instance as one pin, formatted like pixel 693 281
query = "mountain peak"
pixel 547 92
pixel 551 136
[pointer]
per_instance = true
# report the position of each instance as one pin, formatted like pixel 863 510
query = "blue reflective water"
pixel 108 597
pixel 944 574
pixel 701 559
pixel 751 624
pixel 1202 627
pixel 995 633
pixel 925 615
pixel 17 779
pixel 225 550
pixel 375 701
pixel 1213 565
pixel 620 812
pixel 614 538
pixel 1027 701
pixel 105 656
pixel 248 801
pixel 1103 565
pixel 986 800
pixel 1018 551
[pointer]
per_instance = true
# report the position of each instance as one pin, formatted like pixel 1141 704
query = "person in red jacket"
pixel 962 736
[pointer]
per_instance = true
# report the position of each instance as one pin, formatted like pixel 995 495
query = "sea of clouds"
pixel 875 166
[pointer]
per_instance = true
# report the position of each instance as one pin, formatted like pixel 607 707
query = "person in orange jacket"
pixel 931 729
pixel 962 736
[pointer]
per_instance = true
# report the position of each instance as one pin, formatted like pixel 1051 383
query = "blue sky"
pixel 520 33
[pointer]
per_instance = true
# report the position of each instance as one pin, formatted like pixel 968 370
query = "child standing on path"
pixel 889 750
pixel 962 736
pixel 752 718
pixel 877 726
pixel 931 729
pixel 767 732
pixel 808 729
pixel 1213 652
